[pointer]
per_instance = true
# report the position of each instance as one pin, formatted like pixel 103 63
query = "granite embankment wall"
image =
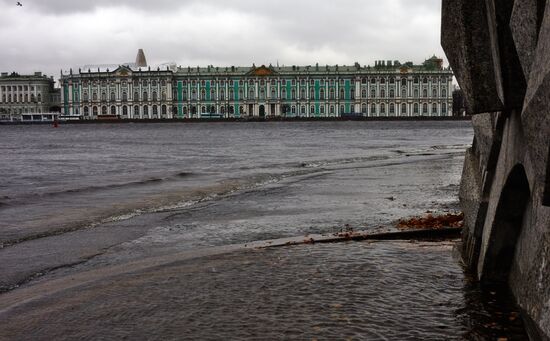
pixel 500 53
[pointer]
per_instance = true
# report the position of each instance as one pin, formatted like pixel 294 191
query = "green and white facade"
pixel 386 89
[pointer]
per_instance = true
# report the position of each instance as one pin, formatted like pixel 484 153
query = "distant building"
pixel 27 94
pixel 138 91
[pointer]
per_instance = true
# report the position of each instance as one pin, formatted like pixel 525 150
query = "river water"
pixel 85 198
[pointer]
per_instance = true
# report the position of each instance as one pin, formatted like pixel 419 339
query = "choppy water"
pixel 64 178
pixel 84 198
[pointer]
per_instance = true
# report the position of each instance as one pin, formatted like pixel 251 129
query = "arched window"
pixel 251 93
pixel 293 109
pixel 444 93
pixel 203 110
pixel 145 111
pixel 392 93
pixel 415 110
pixel 434 108
pixel 293 94
pixel 222 95
pixel 372 93
pixel 231 95
pixel 404 93
pixel 331 93
pixel 312 94
pixel 124 96
pixel 322 109
pixel 103 97
pixel 273 93
pixel 203 95
pixel 342 93
pixel 145 97
pixel 163 110
pixel 404 81
pixel 94 111
pixel 212 109
pixel 444 108
pixel 193 95
pixel 382 108
pixel 103 110
pixel 136 111
pixel 322 94
pixel 416 80
pixel 113 110
pixel 415 93
pixel 364 108
pixel 392 108
pixel 184 111
pixel 364 93
pixel 434 93
pixel 425 93
pixel 262 93
pixel 342 109
pixel 212 95
pixel 352 93
pixel 404 109
pixel 302 110
pixel 382 80
pixel 241 94
pixel 373 109
pixel 85 97
pixel 184 95
pixel 113 97
pixel 332 110
pixel 163 96
pixel 424 108
pixel 283 93
pixel 392 80
pixel 383 93
pixel 124 111
pixel 136 96
pixel 86 111
pixel 425 81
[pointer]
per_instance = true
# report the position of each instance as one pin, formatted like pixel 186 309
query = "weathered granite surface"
pixel 499 50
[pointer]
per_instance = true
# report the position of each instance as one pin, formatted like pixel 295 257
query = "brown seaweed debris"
pixel 430 221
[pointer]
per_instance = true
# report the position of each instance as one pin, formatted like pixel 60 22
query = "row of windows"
pixel 113 97
pixel 136 82
pixel 125 109
pixel 22 98
pixel 17 88
pixel 331 81
pixel 252 94
pixel 374 109
pixel 262 82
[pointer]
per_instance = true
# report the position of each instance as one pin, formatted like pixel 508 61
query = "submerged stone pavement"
pixel 346 291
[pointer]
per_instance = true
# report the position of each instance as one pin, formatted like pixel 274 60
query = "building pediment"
pixel 123 71
pixel 262 71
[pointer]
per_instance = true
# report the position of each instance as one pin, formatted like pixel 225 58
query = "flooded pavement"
pixel 349 291
pixel 144 231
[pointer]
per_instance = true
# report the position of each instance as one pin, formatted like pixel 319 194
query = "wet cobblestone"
pixel 350 291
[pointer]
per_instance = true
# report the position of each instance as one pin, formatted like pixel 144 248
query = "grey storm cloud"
pixel 49 35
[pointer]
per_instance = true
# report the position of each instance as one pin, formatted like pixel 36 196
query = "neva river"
pixel 127 230
pixel 282 179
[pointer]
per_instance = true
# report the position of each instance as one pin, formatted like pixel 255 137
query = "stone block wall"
pixel 500 53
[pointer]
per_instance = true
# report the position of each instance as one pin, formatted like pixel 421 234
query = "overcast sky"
pixel 49 35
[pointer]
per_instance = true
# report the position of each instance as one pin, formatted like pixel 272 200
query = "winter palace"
pixel 138 91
